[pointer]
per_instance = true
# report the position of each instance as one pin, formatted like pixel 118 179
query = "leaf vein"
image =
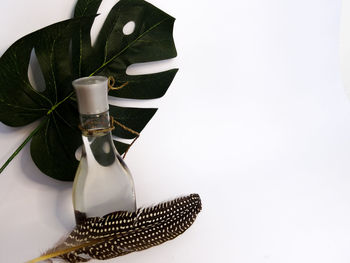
pixel 52 68
pixel 128 46
pixel 64 121
pixel 61 137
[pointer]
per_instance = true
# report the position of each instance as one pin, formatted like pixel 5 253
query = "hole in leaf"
pixel 135 103
pixel 103 12
pixel 129 28
pixel 35 75
pixel 151 67
pixel 79 152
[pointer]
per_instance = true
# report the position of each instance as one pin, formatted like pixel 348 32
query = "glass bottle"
pixel 103 183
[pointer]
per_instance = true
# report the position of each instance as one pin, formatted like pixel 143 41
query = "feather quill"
pixel 121 232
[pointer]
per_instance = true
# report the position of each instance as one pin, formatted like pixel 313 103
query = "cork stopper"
pixel 92 94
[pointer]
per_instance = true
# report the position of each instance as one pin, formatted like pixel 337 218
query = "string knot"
pixel 111 83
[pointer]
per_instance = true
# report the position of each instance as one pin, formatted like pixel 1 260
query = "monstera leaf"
pixel 64 53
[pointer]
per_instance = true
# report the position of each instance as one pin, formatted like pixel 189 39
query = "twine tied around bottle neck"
pixel 113 122
pixel 111 82
pixel 94 132
pixel 87 132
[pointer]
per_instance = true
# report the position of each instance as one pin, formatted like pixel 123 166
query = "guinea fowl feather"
pixel 121 232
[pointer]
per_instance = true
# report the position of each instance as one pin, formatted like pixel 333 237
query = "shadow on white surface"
pixel 56 205
pixel 9 130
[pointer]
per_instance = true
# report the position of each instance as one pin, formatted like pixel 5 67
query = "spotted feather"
pixel 120 233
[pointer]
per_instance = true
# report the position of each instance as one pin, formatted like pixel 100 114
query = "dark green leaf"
pixel 121 147
pixel 86 8
pixel 20 103
pixel 133 118
pixel 81 43
pixel 151 40
pixel 53 147
pixel 52 51
pixel 57 137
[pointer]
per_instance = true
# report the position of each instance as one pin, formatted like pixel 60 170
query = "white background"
pixel 256 121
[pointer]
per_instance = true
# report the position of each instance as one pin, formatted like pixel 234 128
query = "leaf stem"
pixel 21 146
pixel 59 103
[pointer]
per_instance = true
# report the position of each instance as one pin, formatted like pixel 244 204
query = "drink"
pixel 103 183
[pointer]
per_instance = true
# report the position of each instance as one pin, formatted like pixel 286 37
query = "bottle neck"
pixel 95 122
pixel 97 139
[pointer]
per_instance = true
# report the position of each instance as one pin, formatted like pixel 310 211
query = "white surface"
pixel 256 121
pixel 345 44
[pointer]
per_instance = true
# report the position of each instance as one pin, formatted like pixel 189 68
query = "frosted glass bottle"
pixel 103 183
